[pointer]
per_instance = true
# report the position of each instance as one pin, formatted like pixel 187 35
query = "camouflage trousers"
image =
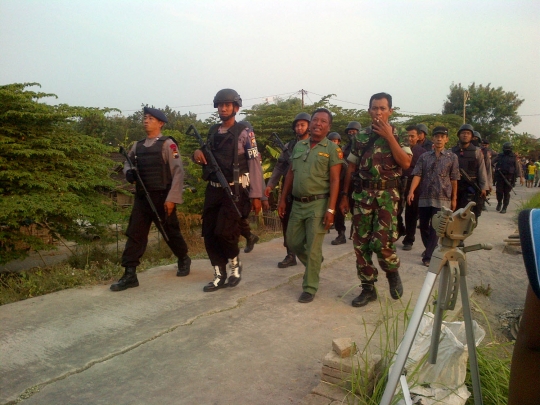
pixel 375 231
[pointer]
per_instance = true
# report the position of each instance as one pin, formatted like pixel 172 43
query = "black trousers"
pixel 411 214
pixel 427 232
pixel 139 226
pixel 285 222
pixel 467 193
pixel 502 190
pixel 221 225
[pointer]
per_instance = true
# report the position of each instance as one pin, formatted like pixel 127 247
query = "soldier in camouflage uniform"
pixel 377 158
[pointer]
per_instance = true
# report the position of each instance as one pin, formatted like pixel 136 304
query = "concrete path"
pixel 167 342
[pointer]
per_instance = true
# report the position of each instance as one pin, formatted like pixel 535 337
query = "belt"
pixel 380 185
pixel 218 185
pixel 310 198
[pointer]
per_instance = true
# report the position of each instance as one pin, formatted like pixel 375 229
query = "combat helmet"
pixel 227 96
pixel 477 135
pixel 422 128
pixel 353 125
pixel 466 127
pixel 303 116
pixel 334 135
pixel 507 146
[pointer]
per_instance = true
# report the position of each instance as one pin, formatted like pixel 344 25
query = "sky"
pixel 122 54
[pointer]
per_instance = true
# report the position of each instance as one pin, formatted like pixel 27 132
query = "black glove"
pixel 131 176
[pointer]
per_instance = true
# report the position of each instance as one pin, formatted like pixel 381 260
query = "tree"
pixel 51 174
pixel 492 111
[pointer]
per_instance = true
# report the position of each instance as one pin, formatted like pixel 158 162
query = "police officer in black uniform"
pixel 471 160
pixel 506 165
pixel 235 150
pixel 300 126
pixel 159 167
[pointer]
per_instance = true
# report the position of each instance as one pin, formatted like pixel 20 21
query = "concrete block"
pixel 334 372
pixel 344 347
pixel 329 391
pixel 314 399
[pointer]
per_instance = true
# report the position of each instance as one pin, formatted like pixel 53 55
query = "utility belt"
pixel 310 198
pixel 380 184
pixel 243 180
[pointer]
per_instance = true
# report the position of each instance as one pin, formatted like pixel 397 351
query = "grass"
pixel 98 263
pixel 533 202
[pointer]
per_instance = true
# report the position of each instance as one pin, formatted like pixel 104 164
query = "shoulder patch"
pixel 339 153
pixel 174 150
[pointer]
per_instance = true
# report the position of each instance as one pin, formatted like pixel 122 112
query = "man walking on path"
pixel 437 174
pixel 377 158
pixel 159 168
pixel 507 170
pixel 300 127
pixel 313 178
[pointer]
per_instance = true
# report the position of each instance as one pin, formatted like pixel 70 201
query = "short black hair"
pixel 412 128
pixel 324 110
pixel 380 96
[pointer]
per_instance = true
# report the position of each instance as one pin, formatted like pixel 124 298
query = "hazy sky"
pixel 120 53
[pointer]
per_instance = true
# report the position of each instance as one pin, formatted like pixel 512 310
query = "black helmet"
pixel 227 96
pixel 353 125
pixel 422 128
pixel 466 127
pixel 477 135
pixel 303 116
pixel 507 146
pixel 334 135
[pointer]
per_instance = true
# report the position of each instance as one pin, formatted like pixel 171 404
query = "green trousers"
pixel 305 235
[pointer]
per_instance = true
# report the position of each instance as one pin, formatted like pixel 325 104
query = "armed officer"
pixel 300 126
pixel 235 150
pixel 507 167
pixel 472 164
pixel 159 167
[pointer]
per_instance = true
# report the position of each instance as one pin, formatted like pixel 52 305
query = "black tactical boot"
pixel 184 266
pixel 250 243
pixel 499 205
pixel 220 276
pixel 236 269
pixel 367 295
pixel 340 240
pixel 396 288
pixel 290 260
pixel 503 211
pixel 128 280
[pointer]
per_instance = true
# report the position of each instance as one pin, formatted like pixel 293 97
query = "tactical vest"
pixel 506 163
pixel 467 160
pixel 225 147
pixel 154 172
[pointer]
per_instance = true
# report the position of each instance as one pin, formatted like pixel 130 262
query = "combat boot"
pixel 340 240
pixel 220 276
pixel 396 287
pixel 290 260
pixel 498 207
pixel 503 211
pixel 367 295
pixel 184 266
pixel 250 242
pixel 236 269
pixel 128 280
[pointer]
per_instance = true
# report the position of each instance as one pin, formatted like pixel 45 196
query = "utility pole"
pixel 303 92
pixel 465 98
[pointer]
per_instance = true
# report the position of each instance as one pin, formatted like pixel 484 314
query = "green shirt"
pixel 311 167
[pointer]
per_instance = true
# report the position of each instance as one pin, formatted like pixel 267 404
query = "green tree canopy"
pixel 492 111
pixel 51 174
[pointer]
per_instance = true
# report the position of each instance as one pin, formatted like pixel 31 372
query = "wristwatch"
pixel 331 211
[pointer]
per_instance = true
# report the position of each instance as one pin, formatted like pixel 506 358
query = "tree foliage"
pixel 51 174
pixel 492 111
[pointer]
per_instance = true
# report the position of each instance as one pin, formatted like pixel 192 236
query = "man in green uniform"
pixel 313 177
pixel 377 159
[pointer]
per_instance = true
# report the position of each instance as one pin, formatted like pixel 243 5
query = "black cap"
pixel 158 114
pixel 485 142
pixel 440 130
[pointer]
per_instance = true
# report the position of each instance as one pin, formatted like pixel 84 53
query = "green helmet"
pixel 466 127
pixel 507 146
pixel 422 128
pixel 303 116
pixel 227 96
pixel 477 135
pixel 334 135
pixel 353 125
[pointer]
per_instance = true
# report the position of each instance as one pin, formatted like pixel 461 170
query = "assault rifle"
pixel 279 142
pixel 506 181
pixel 139 181
pixel 474 184
pixel 211 160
